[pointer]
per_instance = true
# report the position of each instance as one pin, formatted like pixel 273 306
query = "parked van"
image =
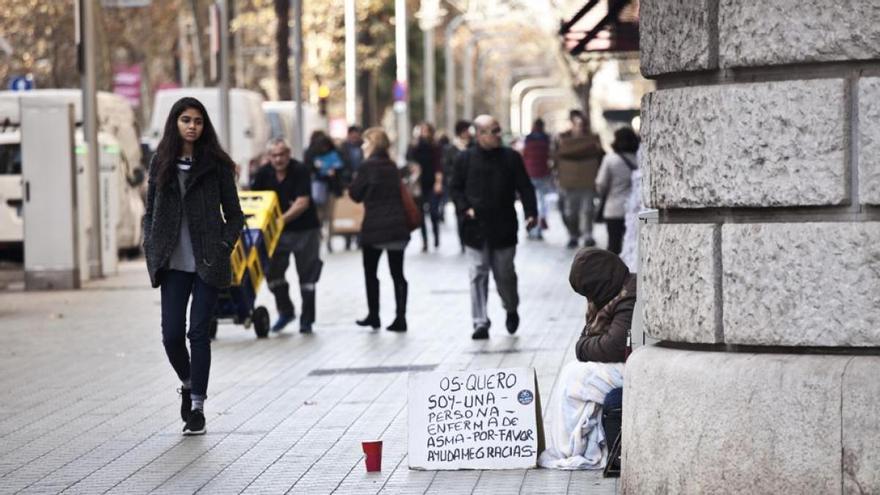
pixel 249 130
pixel 120 157
pixel 281 115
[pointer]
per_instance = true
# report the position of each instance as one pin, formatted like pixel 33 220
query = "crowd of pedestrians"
pixel 193 220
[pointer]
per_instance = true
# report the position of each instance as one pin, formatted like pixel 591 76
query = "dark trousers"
pixel 176 289
pixel 371 266
pixel 305 245
pixel 430 206
pixel 616 228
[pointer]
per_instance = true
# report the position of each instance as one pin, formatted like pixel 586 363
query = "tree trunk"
pixel 197 45
pixel 282 49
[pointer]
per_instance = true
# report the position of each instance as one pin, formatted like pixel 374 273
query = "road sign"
pixel 21 83
pixel 400 91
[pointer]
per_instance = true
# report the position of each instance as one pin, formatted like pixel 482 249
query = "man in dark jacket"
pixel 291 180
pixel 484 186
pixel 460 142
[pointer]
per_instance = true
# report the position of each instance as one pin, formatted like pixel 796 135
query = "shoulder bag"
pixel 410 208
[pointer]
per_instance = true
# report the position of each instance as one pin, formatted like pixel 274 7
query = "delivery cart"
pixel 250 261
pixel 346 218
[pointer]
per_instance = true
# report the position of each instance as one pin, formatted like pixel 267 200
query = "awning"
pixel 602 26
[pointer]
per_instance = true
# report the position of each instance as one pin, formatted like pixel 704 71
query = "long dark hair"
pixel 625 140
pixel 206 149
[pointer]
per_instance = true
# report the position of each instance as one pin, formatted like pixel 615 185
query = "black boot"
pixel 400 292
pixel 307 318
pixel 372 319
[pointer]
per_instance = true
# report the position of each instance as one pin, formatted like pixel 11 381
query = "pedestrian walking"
pixel 460 142
pixel 577 157
pixel 325 163
pixel 353 153
pixel 485 183
pixel 377 185
pixel 574 430
pixel 291 181
pixel 192 221
pixel 614 183
pixel 536 156
pixel 428 154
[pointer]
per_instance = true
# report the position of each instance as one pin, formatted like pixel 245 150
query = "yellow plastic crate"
pixel 239 262
pixel 256 269
pixel 262 211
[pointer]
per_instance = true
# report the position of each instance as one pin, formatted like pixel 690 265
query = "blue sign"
pixel 400 91
pixel 21 83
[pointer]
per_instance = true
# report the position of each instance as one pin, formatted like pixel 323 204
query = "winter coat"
pixel 429 156
pixel 603 278
pixel 536 155
pixel 577 160
pixel 377 185
pixel 209 187
pixel 488 181
pixel 615 180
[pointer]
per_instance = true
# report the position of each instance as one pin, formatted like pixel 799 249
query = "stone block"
pixel 674 36
pixel 746 145
pixel 715 422
pixel 869 140
pixel 801 284
pixel 797 31
pixel 861 426
pixel 677 282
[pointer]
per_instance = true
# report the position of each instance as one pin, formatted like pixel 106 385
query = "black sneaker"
pixel 195 425
pixel 572 243
pixel 305 327
pixel 185 403
pixel 481 333
pixel 512 322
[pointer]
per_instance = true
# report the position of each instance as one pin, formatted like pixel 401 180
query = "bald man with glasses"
pixel 485 184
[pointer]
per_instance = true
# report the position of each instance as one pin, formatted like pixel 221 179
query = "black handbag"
pixel 600 213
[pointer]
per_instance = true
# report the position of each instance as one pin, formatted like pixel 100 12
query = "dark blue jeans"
pixel 176 289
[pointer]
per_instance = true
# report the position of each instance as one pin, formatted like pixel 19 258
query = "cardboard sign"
pixel 474 419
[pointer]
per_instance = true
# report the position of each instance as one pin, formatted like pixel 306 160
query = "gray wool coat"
pixel 210 201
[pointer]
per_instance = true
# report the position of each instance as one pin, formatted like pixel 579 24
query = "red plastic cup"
pixel 373 453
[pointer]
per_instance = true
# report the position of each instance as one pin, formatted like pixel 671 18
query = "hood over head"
pixel 598 275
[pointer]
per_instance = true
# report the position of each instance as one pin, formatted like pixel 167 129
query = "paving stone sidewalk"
pixel 88 401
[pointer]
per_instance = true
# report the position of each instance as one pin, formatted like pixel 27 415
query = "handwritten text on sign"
pixel 475 419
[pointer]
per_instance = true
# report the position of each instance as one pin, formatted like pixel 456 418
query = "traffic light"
pixel 323 94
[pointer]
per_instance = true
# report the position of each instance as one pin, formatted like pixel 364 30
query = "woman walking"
pixel 614 183
pixel 429 155
pixel 192 221
pixel 377 185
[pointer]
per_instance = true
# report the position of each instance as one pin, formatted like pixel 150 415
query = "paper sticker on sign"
pixel 474 419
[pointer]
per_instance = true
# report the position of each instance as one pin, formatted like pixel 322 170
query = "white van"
pixel 281 115
pixel 249 130
pixel 121 156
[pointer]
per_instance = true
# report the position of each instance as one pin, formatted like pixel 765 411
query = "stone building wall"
pixel 762 275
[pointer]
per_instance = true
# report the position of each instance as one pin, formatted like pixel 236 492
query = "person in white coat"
pixel 614 182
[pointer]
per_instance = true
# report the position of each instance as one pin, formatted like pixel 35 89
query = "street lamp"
pixel 429 16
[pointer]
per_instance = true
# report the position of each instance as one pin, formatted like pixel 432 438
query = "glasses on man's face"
pixel 494 131
pixel 283 154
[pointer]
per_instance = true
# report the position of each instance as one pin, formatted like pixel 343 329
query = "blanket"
pixel 574 434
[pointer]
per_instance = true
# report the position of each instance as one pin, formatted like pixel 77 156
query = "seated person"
pixel 574 435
